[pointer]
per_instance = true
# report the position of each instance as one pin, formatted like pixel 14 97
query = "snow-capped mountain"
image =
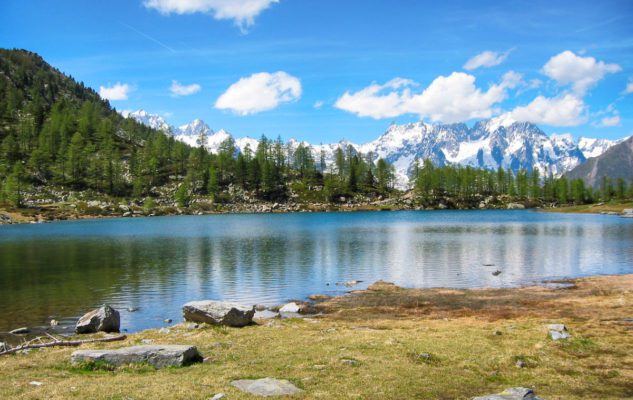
pixel 492 143
pixel 154 121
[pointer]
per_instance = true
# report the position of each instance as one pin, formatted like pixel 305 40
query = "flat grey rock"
pixel 557 327
pixel 266 387
pixel 559 335
pixel 218 313
pixel 517 393
pixel 102 319
pixel 265 314
pixel 159 356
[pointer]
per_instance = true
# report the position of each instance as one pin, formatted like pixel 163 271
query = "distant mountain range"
pixel 492 143
pixel 616 162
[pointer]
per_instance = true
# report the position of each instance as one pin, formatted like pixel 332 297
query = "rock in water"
pixel 103 319
pixel 157 356
pixel 218 313
pixel 266 387
pixel 517 393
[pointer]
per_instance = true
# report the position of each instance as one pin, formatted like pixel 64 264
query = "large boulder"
pixel 266 387
pixel 517 393
pixel 218 313
pixel 157 356
pixel 103 319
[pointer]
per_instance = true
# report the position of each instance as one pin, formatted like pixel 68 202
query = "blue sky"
pixel 326 70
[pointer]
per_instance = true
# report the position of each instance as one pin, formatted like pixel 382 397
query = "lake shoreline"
pixel 484 339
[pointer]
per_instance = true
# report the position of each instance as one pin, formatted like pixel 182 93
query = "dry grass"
pixel 594 208
pixel 384 329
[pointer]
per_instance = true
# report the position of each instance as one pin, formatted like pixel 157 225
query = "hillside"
pixel 611 168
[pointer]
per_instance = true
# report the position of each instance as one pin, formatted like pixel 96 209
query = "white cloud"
pixel 177 89
pixel 318 104
pixel 610 121
pixel 260 92
pixel 452 98
pixel 581 73
pixel 242 12
pixel 486 59
pixel 118 91
pixel 629 87
pixel 565 110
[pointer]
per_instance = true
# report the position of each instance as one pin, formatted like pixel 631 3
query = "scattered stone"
pixel 496 273
pixel 164 330
pixel 558 332
pixel 3 346
pixel 20 331
pixel 290 308
pixel 127 214
pixel 167 321
pixel 515 206
pixel 520 364
pixel 157 356
pixel 218 313
pixel 218 396
pixel 103 319
pixel 36 383
pixel 350 361
pixel 54 322
pixel 191 325
pixel 517 393
pixel 265 314
pixel 266 387
pixel 497 333
pixel 260 307
pixel 147 341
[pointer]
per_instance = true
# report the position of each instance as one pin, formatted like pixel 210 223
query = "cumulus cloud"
pixel 486 59
pixel 318 104
pixel 629 87
pixel 260 92
pixel 118 91
pixel 177 89
pixel 242 12
pixel 610 121
pixel 448 99
pixel 565 110
pixel 581 73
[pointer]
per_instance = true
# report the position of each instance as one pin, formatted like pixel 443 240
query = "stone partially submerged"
pixel 517 393
pixel 266 387
pixel 103 319
pixel 157 356
pixel 218 313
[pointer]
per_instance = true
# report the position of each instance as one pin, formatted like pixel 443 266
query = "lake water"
pixel 63 269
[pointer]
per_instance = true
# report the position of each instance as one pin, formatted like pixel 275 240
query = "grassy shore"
pixel 473 338
pixel 597 208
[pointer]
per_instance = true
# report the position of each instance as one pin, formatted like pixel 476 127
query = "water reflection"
pixel 157 264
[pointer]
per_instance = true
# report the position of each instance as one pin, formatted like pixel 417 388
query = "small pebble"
pixel 167 321
pixel 35 383
pixel 218 396
pixel 520 364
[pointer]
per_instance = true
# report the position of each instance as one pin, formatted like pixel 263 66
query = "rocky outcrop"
pixel 517 393
pixel 266 387
pixel 218 313
pixel 103 319
pixel 157 356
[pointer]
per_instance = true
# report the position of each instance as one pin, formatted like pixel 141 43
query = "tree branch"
pixel 58 342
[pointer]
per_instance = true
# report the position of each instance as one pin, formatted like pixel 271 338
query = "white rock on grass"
pixel 290 308
pixel 266 387
pixel 218 313
pixel 558 331
pixel 157 356
pixel 517 393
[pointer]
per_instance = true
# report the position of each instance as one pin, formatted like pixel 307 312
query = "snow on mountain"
pixel 154 121
pixel 492 143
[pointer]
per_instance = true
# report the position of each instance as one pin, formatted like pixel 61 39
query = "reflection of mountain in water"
pixel 158 264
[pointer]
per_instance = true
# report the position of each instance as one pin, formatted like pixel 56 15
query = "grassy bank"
pixel 370 345
pixel 597 208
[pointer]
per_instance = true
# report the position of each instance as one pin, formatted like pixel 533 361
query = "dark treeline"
pixel 465 182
